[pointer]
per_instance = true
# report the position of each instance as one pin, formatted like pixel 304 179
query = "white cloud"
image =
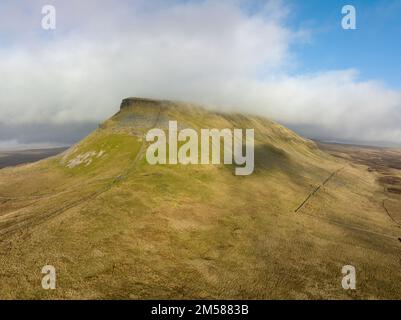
pixel 210 52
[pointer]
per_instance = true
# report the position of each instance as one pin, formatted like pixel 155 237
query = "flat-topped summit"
pixel 134 101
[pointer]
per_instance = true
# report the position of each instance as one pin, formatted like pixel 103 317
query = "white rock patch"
pixel 84 159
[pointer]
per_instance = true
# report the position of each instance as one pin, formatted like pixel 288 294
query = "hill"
pixel 116 227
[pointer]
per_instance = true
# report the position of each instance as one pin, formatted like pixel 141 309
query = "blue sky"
pixel 374 48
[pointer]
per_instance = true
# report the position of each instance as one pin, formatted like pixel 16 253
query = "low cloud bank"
pixel 209 52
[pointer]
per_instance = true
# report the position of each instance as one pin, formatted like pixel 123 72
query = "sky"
pixel 287 60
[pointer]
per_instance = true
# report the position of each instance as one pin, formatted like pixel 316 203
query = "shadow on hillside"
pixel 268 159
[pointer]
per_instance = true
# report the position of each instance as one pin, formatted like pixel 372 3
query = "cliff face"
pixel 134 101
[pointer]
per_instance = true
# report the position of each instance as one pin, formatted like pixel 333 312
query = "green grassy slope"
pixel 116 227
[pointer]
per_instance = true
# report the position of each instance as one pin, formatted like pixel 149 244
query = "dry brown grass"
pixel 196 231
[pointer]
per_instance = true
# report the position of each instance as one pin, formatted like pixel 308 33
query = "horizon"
pixel 14 146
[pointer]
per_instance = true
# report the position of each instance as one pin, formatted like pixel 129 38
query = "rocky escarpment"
pixel 134 101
